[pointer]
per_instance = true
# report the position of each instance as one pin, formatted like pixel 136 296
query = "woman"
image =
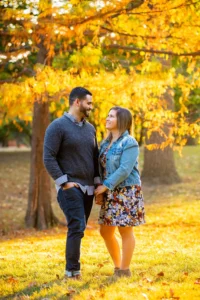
pixel 123 205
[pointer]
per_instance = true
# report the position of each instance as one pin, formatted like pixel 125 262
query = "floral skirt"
pixel 123 207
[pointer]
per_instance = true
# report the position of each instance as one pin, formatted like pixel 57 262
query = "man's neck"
pixel 78 117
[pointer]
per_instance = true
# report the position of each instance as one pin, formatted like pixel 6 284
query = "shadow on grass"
pixel 73 287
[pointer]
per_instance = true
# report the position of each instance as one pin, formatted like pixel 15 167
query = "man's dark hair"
pixel 78 92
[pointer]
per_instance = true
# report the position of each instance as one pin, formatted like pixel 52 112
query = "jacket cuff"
pixel 97 180
pixel 62 179
pixel 108 185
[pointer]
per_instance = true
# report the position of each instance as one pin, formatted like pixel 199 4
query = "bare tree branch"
pixel 25 71
pixel 131 48
pixel 135 35
pixel 163 10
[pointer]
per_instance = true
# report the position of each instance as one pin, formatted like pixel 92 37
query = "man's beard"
pixel 85 111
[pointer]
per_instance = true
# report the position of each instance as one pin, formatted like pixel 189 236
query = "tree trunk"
pixel 159 166
pixel 39 213
pixel 191 141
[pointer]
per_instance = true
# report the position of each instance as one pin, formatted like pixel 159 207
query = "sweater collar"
pixel 72 118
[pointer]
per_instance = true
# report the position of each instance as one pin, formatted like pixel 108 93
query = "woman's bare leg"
pixel 108 234
pixel 128 245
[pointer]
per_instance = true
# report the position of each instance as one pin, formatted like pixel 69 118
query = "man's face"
pixel 86 106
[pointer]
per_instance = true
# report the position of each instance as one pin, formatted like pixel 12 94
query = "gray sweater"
pixel 71 152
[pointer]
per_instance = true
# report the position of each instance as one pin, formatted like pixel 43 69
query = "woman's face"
pixel 111 120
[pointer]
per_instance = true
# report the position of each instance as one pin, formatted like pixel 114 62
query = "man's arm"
pixel 52 142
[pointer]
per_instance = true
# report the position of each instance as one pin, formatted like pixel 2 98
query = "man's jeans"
pixel 77 207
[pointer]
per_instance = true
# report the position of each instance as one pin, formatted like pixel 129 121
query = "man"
pixel 71 158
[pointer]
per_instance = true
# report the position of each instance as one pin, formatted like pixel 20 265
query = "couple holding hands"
pixel 81 170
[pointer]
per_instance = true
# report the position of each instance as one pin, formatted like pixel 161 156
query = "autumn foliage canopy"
pixel 128 53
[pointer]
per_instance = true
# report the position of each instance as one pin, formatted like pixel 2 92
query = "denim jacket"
pixel 121 162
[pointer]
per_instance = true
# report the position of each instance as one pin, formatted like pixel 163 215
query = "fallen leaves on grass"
pixel 31 284
pixel 145 296
pixel 24 297
pixel 165 283
pixel 100 265
pixel 172 296
pixel 175 298
pixel 45 285
pixel 197 281
pixel 147 280
pixel 12 280
pixel 70 292
pixel 153 275
pixel 160 274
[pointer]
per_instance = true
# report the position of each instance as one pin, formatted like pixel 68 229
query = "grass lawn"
pixel 166 261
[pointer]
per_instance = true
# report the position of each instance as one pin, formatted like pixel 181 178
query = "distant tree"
pixel 159 165
pixel 16 129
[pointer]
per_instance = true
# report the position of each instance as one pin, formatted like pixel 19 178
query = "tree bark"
pixel 159 165
pixel 191 141
pixel 39 212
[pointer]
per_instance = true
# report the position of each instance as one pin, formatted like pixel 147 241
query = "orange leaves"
pixel 160 274
pixel 12 280
pixel 77 34
pixel 197 281
pixel 70 292
pixel 165 283
pixel 172 295
pixel 145 25
pixel 137 92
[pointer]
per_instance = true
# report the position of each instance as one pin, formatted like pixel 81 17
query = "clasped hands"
pixel 99 191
